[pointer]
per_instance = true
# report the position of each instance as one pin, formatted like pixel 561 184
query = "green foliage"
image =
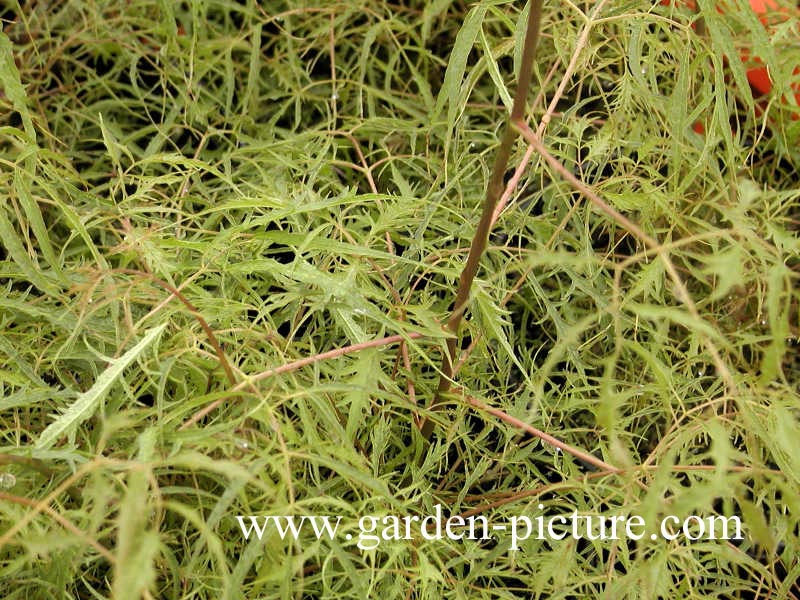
pixel 310 177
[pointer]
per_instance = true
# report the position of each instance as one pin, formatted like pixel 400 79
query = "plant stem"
pixel 493 193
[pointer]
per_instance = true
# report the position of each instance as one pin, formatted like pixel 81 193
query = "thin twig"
pixel 39 465
pixel 226 366
pixel 43 505
pixel 212 339
pixel 580 45
pixel 493 193
pixel 293 366
pixel 681 292
pixel 62 520
pixel 549 488
pixel 545 437
pixel 332 51
pixel 523 165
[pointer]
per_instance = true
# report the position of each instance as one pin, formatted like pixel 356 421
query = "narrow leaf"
pixel 87 403
pixel 722 39
pixel 494 73
pixel 12 86
pixel 31 270
pixel 358 399
pixel 36 221
pixel 456 67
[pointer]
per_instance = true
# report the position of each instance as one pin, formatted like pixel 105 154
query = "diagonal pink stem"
pixel 545 437
pixel 298 364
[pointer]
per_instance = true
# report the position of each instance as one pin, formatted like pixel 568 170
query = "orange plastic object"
pixel 758 76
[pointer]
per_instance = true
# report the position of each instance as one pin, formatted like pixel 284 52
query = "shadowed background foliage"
pixel 309 176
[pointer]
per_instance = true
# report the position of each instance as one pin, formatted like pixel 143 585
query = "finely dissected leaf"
pixel 257 133
pixel 677 113
pixel 677 315
pixel 651 279
pixel 342 297
pixel 721 451
pixel 783 239
pixel 759 39
pixel 64 321
pixel 137 543
pixel 71 216
pixel 755 524
pixel 321 420
pixel 201 462
pixel 783 429
pixel 358 400
pixel 332 246
pixel 778 309
pixel 727 268
pixel 491 318
pixel 23 365
pixel 638 68
pixel 89 401
pixel 356 475
pixel 32 397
